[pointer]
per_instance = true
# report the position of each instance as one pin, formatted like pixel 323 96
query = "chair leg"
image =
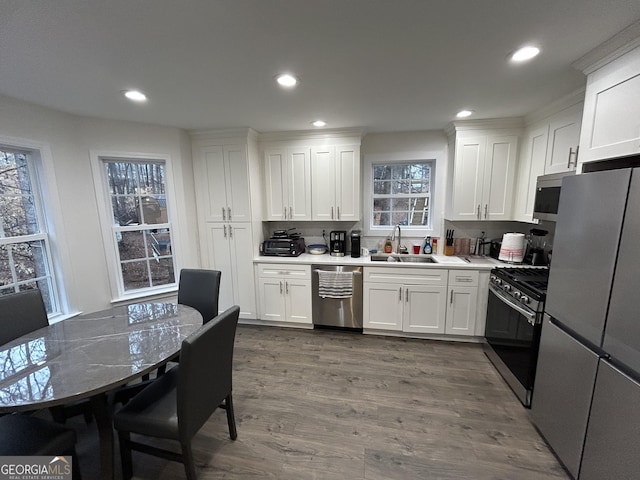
pixel 125 454
pixel 231 419
pixel 189 464
pixel 75 465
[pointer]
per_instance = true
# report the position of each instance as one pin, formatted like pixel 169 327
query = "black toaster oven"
pixel 283 247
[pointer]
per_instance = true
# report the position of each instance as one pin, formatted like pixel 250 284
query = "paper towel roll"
pixel 512 249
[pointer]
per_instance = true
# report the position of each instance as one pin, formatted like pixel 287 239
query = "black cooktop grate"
pixel 533 279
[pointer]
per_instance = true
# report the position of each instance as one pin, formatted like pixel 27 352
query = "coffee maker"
pixel 355 244
pixel 338 243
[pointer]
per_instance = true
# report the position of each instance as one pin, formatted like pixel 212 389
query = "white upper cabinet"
pixel 611 119
pixel 287 183
pixel 564 137
pixel 484 170
pixel 224 183
pixel 531 164
pixel 335 183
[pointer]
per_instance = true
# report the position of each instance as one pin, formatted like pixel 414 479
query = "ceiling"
pixel 381 65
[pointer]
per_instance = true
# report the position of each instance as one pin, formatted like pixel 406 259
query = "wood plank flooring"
pixel 337 405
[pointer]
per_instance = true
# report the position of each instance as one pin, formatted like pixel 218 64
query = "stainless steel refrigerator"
pixel 586 400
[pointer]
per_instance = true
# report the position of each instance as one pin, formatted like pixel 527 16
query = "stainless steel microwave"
pixel 545 205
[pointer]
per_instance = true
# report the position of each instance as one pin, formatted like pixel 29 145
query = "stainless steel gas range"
pixel 514 321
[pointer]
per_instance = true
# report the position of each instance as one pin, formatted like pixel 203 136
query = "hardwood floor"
pixel 337 405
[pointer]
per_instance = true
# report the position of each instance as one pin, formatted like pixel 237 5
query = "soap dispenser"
pixel 427 246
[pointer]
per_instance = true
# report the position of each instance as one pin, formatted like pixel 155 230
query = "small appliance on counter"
pixel 512 248
pixel 283 243
pixel 536 249
pixel 355 243
pixel 338 243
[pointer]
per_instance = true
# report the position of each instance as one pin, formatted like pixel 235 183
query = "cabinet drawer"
pixel 406 275
pixel 463 278
pixel 267 270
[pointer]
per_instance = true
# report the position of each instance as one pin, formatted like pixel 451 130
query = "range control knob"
pixel 506 288
pixel 497 281
pixel 517 294
pixel 524 299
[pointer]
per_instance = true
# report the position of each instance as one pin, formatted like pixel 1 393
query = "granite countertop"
pixel 475 263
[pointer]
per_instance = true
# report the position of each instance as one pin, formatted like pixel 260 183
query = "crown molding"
pixel 490 123
pixel 554 107
pixel 621 43
pixel 311 134
pixel 228 134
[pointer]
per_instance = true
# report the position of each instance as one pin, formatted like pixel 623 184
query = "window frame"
pixel 38 160
pixel 437 160
pixel 103 194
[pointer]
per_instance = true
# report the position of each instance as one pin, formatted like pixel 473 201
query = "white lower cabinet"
pixel 284 293
pixel 405 299
pixel 227 245
pixel 428 301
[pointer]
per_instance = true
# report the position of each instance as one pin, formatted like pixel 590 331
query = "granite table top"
pixel 87 355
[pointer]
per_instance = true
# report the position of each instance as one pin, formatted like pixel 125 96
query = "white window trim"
pixel 118 293
pixel 46 188
pixel 438 183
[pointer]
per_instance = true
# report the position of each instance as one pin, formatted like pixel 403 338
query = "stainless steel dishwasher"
pixel 338 304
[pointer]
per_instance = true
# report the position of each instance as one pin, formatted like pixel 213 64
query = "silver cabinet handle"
pixel 400 294
pixel 280 287
pixel 451 299
pixel 285 212
pixel 486 207
pixel 478 212
pixel 290 213
pixel 406 295
pixel 286 287
pixel 338 207
pixel 331 213
pixel 229 213
pixel 224 217
pixel 575 157
pixel 224 229
pixel 230 232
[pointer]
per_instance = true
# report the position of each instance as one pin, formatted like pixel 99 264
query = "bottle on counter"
pixel 434 246
pixel 427 246
pixel 388 246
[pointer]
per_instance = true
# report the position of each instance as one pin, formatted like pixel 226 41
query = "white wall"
pixel 78 238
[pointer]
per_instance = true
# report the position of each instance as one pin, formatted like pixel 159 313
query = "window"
pixel 401 194
pixel 25 254
pixel 140 231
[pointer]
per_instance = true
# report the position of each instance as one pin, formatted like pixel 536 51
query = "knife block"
pixel 448 250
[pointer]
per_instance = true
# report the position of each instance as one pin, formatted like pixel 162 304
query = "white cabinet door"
pixel 564 137
pixel 530 166
pixel 461 311
pixel 298 183
pixel 275 188
pixel 611 120
pixel 237 177
pixel 272 299
pixel 498 176
pixel 219 258
pixel 468 178
pixel 239 235
pixel 323 183
pixel 348 176
pixel 424 309
pixel 298 300
pixel 382 309
pixel 213 184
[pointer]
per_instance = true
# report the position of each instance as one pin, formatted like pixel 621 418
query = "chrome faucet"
pixel 393 236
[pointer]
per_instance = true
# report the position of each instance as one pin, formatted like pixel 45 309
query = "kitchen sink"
pixel 402 259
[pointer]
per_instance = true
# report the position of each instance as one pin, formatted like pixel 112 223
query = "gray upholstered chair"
pixel 26 435
pixel 200 289
pixel 21 313
pixel 177 404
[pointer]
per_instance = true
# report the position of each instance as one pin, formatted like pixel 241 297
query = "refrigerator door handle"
pixel 531 316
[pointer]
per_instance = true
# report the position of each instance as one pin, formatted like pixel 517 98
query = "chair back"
pixel 200 289
pixel 205 370
pixel 21 313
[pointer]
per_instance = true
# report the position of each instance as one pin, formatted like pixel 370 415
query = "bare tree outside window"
pixel 25 257
pixel 141 229
pixel 401 194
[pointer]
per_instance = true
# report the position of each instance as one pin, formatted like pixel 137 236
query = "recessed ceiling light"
pixel 525 53
pixel 135 95
pixel 286 80
pixel 319 123
pixel 464 113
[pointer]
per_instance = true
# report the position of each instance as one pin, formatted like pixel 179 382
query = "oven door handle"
pixel 531 316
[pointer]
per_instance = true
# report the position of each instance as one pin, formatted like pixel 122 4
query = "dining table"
pixel 88 357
